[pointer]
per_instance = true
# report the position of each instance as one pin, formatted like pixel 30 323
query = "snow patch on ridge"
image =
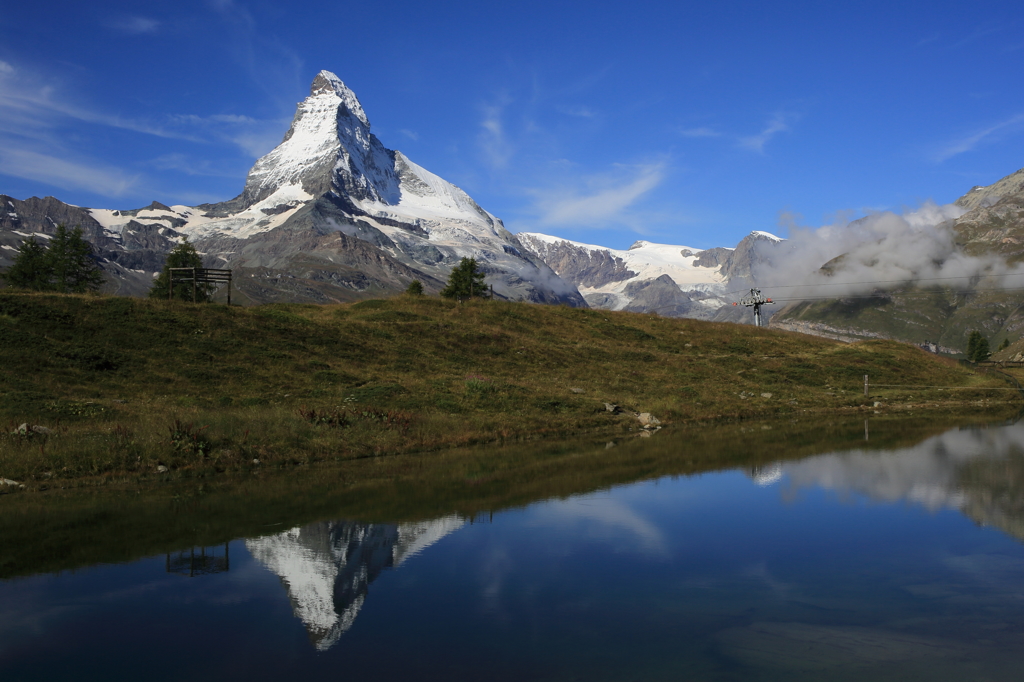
pixel 649 261
pixel 260 217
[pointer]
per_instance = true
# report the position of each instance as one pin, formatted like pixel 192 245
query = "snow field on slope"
pixel 649 261
pixel 314 136
pixel 241 225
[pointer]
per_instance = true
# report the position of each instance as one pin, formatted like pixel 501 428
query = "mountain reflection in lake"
pixel 328 566
pixel 855 564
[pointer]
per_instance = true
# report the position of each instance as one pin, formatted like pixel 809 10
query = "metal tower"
pixel 755 300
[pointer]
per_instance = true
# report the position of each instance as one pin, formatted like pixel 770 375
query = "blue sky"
pixel 686 123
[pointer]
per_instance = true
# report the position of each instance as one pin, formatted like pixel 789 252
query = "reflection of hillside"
pixel 978 471
pixel 993 491
pixel 327 567
pixel 116 525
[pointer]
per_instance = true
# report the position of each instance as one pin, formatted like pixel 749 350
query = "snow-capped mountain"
pixel 327 567
pixel 671 280
pixel 329 215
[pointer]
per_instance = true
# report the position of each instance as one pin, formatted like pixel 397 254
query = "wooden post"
pixel 194 286
pixel 229 294
pixel 865 385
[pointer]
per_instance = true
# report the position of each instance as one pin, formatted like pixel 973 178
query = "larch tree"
pixel 466 281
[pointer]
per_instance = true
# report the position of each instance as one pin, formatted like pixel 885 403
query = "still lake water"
pixel 859 564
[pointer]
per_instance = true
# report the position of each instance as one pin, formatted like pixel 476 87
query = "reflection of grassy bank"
pixel 64 529
pixel 128 386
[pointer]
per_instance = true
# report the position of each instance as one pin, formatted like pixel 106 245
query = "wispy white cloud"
pixel 189 166
pixel 35 117
pixel 578 111
pixel 604 201
pixel 34 103
pixel 412 135
pixel 133 25
pixel 977 34
pixel 779 123
pixel 64 173
pixel 493 142
pixel 608 520
pixel 30 149
pixel 253 136
pixel 1011 125
pixel 217 118
pixel 702 131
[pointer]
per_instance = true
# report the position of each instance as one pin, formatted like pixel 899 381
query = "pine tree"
pixel 415 288
pixel 981 353
pixel 184 255
pixel 466 281
pixel 72 264
pixel 66 265
pixel 977 347
pixel 30 270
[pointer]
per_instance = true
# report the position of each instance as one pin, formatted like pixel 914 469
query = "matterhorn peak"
pixel 327 82
pixel 328 147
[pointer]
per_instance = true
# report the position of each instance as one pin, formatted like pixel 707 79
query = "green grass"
pixel 130 387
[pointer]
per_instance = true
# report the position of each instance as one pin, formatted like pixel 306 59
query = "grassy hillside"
pixel 939 315
pixel 134 388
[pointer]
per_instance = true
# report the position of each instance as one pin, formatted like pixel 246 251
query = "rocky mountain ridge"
pixel 670 280
pixel 329 215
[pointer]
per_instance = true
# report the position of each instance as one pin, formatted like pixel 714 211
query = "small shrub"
pixel 122 435
pixel 187 439
pixel 479 385
pixel 335 419
pixel 389 419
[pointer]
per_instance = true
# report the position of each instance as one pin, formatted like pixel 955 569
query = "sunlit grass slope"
pixel 130 387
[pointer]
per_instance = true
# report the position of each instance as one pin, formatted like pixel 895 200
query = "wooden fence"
pixel 198 276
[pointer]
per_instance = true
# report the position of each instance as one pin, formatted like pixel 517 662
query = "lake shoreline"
pixel 127 518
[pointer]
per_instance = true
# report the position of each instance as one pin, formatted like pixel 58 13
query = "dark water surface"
pixel 856 564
